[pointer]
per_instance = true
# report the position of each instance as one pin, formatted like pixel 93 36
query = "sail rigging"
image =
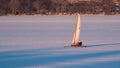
pixel 77 31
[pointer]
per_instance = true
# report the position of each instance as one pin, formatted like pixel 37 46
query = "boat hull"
pixel 79 44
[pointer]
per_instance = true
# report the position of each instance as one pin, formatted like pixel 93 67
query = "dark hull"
pixel 79 44
pixel 76 45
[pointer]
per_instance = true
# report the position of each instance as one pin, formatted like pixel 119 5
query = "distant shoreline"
pixel 56 15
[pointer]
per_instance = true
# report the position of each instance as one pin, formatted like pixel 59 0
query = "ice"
pixel 38 42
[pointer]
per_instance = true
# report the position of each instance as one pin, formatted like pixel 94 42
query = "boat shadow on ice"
pixel 37 57
pixel 107 44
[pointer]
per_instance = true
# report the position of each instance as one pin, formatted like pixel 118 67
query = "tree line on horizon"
pixel 53 7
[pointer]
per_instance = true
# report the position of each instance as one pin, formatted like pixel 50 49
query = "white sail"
pixel 77 31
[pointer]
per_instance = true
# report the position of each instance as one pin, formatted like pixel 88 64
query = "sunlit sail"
pixel 77 31
pixel 76 36
pixel 75 41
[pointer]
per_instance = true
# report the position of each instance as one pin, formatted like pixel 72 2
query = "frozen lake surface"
pixel 38 42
